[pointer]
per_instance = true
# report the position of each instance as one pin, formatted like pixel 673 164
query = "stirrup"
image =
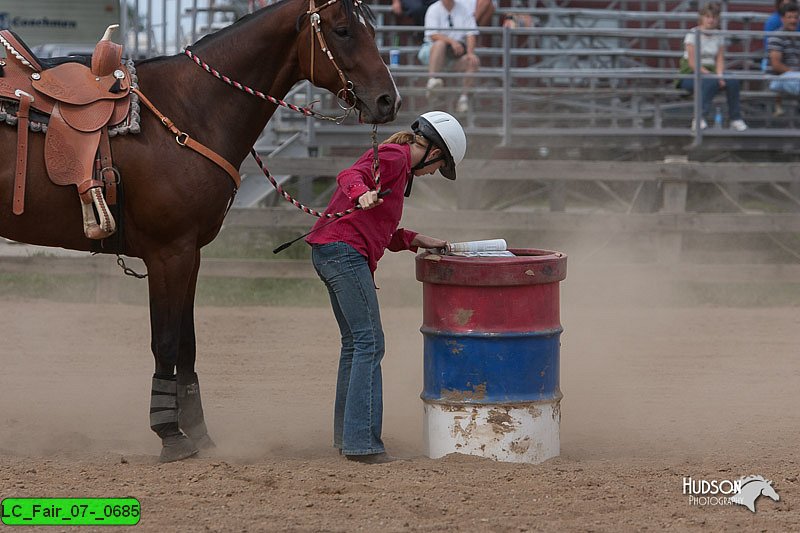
pixel 91 228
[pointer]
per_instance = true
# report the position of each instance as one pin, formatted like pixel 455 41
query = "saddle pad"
pixel 88 117
pixel 75 84
pixel 68 153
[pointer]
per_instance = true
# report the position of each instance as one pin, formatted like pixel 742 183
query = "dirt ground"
pixel 652 394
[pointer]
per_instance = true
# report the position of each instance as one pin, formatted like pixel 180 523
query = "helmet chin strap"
pixel 422 164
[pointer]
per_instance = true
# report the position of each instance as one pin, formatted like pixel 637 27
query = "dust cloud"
pixel 656 385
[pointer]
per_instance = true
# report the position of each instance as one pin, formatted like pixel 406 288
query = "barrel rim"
pixel 479 334
pixel 521 255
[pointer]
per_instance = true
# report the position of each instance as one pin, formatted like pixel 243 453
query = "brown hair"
pixel 711 8
pixel 406 137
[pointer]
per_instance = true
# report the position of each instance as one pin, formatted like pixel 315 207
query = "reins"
pixel 343 94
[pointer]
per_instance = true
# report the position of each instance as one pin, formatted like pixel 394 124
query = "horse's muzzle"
pixel 382 109
pixel 389 105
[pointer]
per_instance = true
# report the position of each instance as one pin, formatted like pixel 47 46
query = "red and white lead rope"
pixel 376 172
pixel 307 111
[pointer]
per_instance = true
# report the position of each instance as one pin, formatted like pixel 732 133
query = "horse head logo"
pixel 751 488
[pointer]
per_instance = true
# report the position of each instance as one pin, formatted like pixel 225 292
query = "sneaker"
pixel 434 83
pixel 703 124
pixel 738 125
pixel 462 106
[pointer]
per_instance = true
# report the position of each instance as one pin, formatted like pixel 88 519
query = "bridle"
pixel 347 86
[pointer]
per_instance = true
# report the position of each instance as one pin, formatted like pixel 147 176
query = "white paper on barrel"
pixel 484 248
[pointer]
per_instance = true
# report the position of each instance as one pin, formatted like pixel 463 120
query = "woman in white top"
pixel 712 65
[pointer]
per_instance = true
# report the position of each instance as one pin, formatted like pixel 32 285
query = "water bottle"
pixel 718 118
pixel 394 53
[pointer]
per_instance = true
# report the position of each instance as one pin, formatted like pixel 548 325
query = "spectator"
pixel 784 53
pixel 482 10
pixel 773 23
pixel 518 19
pixel 414 9
pixel 712 61
pixel 452 47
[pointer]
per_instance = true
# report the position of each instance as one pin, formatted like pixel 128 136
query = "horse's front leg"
pixel 169 270
pixel 190 407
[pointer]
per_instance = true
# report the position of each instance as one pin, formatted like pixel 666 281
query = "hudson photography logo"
pixel 743 491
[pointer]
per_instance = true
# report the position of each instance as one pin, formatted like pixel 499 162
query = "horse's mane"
pixel 241 20
pixel 351 8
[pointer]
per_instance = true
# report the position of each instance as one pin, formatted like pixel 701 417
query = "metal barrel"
pixel 491 329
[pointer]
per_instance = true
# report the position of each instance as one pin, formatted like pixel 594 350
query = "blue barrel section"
pixel 491 367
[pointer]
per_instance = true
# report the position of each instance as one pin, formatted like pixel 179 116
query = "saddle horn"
pixel 107 54
pixel 111 29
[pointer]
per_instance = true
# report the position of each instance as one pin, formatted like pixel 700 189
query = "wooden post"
pixel 674 192
pixel 558 196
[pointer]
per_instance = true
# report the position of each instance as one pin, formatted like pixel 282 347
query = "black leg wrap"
pixel 164 420
pixel 190 411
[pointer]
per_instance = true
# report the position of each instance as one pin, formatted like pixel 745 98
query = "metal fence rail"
pixel 607 71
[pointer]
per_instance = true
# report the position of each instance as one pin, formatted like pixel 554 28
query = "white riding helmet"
pixel 443 130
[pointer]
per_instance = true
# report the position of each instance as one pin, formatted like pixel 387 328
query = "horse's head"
pixel 337 51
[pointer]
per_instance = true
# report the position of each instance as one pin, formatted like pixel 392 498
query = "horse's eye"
pixel 342 31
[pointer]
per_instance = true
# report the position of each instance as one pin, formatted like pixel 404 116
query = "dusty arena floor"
pixel 652 394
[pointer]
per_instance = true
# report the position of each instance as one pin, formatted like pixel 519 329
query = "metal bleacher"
pixel 587 77
pixel 590 75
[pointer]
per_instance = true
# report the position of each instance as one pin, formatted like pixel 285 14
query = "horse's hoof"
pixel 203 442
pixel 177 448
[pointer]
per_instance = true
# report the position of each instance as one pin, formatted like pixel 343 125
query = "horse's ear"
pixel 299 22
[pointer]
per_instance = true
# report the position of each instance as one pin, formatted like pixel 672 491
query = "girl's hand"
pixel 423 241
pixel 369 199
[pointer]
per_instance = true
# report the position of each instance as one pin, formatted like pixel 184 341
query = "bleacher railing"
pixel 613 76
pixel 584 81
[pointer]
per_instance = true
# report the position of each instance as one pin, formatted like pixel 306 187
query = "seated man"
pixel 784 53
pixel 452 47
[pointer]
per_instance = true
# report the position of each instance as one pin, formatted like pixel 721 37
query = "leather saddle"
pixel 81 100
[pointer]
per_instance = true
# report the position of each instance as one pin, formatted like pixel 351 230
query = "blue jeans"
pixel 710 89
pixel 358 409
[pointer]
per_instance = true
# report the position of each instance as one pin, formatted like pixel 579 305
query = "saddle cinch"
pixel 81 102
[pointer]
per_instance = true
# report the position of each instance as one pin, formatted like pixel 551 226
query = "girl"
pixel 346 253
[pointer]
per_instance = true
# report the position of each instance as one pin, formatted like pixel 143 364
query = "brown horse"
pixel 175 199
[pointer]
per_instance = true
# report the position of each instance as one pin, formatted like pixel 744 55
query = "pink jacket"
pixel 370 232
